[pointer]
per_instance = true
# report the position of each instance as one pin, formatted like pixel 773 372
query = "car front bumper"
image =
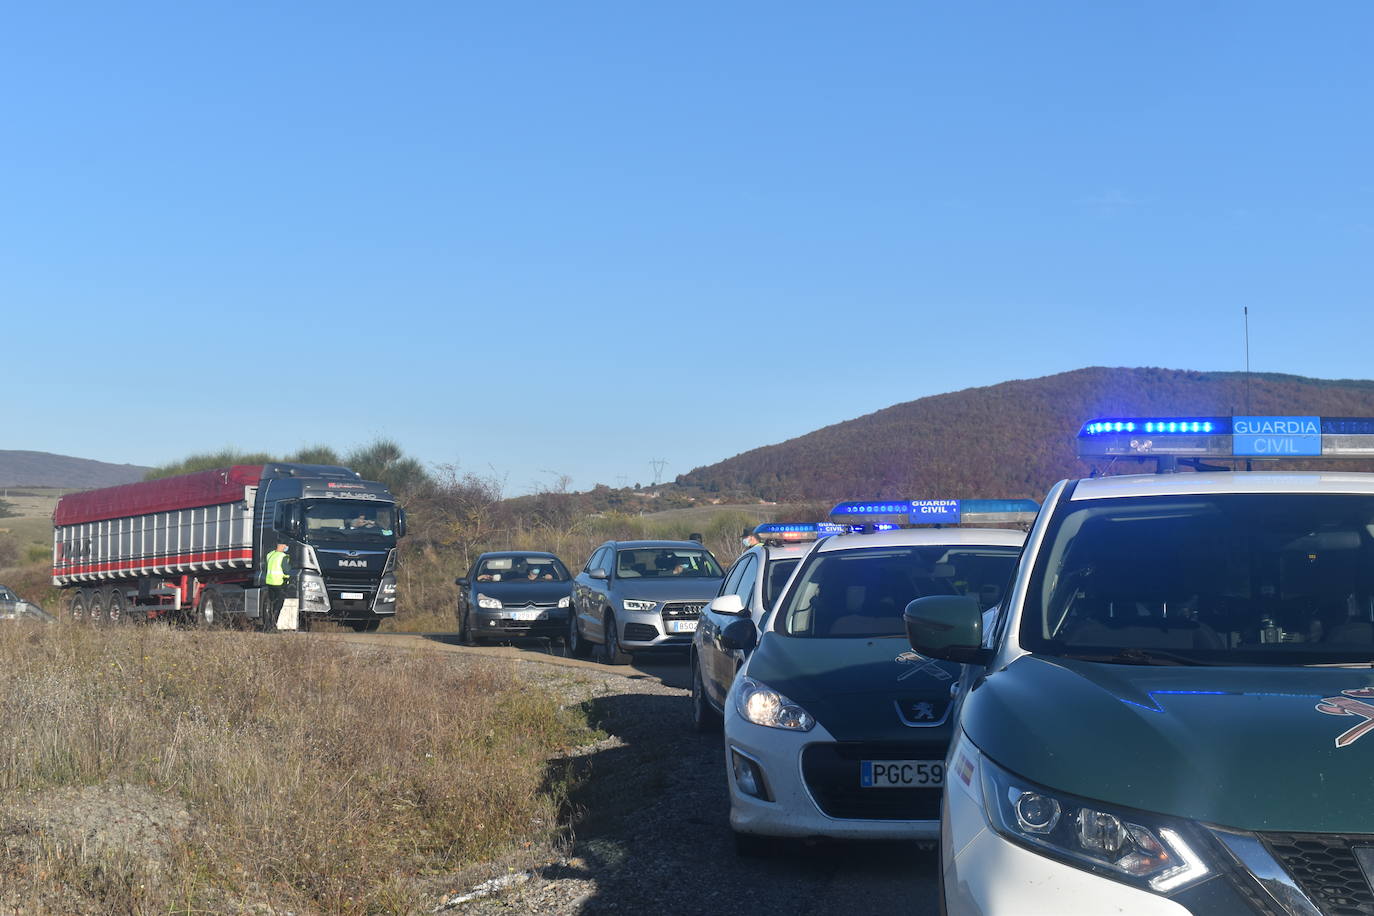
pixel 792 809
pixel 640 630
pixel 501 623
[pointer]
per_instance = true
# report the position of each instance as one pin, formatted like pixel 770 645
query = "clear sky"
pixel 568 238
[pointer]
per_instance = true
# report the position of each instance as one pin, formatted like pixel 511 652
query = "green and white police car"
pixel 833 726
pixel 1174 708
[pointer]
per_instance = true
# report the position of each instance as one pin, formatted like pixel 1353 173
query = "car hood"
pixel 1249 748
pixel 860 689
pixel 667 589
pixel 518 592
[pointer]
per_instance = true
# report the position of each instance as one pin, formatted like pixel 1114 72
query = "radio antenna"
pixel 1247 360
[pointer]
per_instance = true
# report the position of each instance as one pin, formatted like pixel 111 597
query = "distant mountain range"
pixel 1014 439
pixel 44 469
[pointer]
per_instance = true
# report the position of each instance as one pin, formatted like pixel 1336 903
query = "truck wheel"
pixel 577 646
pixel 115 612
pixel 611 653
pixel 95 604
pixel 78 610
pixel 209 614
pixel 366 626
pixel 704 716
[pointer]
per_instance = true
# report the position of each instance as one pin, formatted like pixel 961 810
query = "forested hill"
pixel 1009 440
pixel 44 469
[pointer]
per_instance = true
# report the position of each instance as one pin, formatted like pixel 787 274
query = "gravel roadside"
pixel 650 830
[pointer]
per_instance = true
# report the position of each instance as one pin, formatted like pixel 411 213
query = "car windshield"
pixel 521 569
pixel 1272 579
pixel 7 595
pixel 666 562
pixel 778 573
pixel 334 520
pixel 862 592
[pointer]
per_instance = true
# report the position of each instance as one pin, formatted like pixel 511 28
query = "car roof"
pixel 518 553
pixel 1214 482
pixel 925 537
pixel 631 545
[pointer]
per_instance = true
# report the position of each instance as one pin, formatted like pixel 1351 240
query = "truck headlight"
pixel 491 604
pixel 1150 851
pixel 565 601
pixel 758 703
pixel 313 591
pixel 634 604
pixel 386 591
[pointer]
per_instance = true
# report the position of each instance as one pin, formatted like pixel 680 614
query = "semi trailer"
pixel 193 547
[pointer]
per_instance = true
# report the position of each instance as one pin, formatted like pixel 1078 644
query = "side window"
pixel 733 576
pixel 747 581
pixel 598 560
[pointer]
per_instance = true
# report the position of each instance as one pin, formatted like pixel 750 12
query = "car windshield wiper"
pixel 1138 656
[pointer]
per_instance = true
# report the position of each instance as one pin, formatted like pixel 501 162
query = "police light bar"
pixel 795 532
pixel 870 514
pixel 1227 437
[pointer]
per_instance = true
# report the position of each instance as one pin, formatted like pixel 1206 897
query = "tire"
pixel 116 611
pixel 466 635
pixel 95 604
pixel 78 610
pixel 210 613
pixel 577 646
pixel 753 846
pixel 366 626
pixel 705 719
pixel 611 653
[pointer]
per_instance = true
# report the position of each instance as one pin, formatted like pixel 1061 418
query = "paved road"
pixel 654 834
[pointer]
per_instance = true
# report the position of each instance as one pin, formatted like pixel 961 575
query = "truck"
pixel 192 548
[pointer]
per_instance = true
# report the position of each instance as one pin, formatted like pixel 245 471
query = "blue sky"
pixel 535 239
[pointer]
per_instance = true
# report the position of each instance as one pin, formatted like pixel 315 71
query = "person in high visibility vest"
pixel 278 573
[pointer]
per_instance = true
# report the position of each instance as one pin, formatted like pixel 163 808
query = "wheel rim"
pixel 574 643
pixel 612 639
pixel 78 609
pixel 114 609
pixel 207 610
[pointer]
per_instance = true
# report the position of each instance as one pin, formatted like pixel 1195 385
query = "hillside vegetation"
pixel 44 469
pixel 1014 439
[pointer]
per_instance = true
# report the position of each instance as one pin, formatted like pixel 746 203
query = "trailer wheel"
pixel 115 612
pixel 78 609
pixel 209 613
pixel 95 604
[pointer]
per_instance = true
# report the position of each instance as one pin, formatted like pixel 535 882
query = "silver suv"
pixel 639 595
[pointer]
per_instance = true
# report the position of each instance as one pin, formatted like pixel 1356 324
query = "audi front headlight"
pixel 758 703
pixel 634 604
pixel 1150 851
pixel 491 604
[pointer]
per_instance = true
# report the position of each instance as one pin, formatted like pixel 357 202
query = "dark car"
pixel 641 595
pixel 512 593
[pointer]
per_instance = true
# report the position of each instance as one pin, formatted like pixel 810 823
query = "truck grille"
pixel 683 610
pixel 831 772
pixel 1324 865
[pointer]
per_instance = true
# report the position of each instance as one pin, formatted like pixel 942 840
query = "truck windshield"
pixel 336 520
pixel 861 593
pixel 1268 579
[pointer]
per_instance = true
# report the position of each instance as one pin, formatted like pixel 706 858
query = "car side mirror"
pixel 462 581
pixel 739 635
pixel 730 605
pixel 599 573
pixel 949 627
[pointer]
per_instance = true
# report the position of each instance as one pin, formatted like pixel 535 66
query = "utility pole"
pixel 657 464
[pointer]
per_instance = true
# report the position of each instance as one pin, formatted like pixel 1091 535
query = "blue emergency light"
pixel 885 515
pixel 795 532
pixel 1168 439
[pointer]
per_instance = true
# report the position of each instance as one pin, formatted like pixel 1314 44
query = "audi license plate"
pixel 525 615
pixel 901 774
pixel 682 626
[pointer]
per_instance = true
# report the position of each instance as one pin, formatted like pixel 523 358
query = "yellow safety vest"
pixel 276 575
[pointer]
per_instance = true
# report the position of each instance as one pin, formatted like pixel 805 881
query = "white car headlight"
pixel 634 604
pixel 565 601
pixel 1153 852
pixel 491 604
pixel 758 703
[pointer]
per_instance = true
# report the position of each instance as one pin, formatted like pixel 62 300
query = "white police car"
pixel 1175 704
pixel 833 726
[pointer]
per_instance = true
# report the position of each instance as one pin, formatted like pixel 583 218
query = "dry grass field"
pixel 152 770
